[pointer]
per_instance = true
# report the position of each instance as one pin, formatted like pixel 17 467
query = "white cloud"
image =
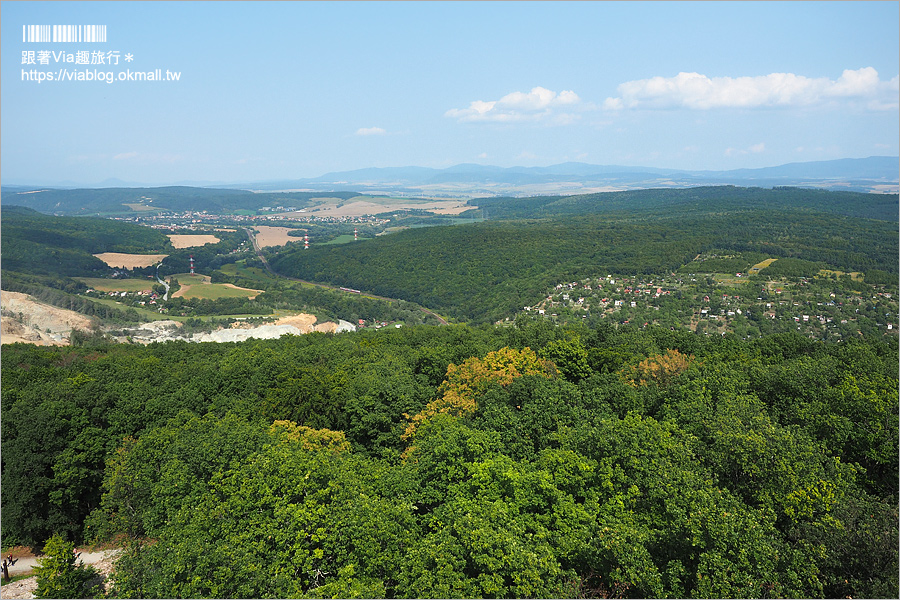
pixel 370 131
pixel 536 105
pixel 754 149
pixel 142 157
pixel 696 91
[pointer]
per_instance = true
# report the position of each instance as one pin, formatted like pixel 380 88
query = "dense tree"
pixel 561 462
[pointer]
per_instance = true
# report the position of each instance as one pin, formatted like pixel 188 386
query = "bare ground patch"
pixel 24 319
pixel 304 322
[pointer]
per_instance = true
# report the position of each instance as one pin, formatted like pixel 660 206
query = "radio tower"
pixel 192 264
pixel 306 241
pixel 354 234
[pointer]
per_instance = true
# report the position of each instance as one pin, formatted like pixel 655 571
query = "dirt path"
pixel 26 564
pixel 25 588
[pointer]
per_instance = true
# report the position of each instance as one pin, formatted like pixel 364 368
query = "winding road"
pixel 265 263
pixel 166 295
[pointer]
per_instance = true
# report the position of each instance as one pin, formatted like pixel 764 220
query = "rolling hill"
pixel 482 272
pixel 39 244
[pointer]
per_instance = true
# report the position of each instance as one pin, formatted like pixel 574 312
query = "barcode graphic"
pixel 63 33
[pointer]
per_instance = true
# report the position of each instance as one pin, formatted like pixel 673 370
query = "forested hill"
pixel 694 200
pixel 37 244
pixel 451 462
pixel 485 271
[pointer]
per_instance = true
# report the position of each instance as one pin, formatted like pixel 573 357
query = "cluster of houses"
pixel 141 298
pixel 362 324
pixel 805 305
pixel 607 294
pixel 205 222
pixel 189 219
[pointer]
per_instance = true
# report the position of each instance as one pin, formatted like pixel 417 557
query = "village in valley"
pixel 828 307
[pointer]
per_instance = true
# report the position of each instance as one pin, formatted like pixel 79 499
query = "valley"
pixel 587 379
pixel 473 270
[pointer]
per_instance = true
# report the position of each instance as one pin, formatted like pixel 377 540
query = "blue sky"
pixel 287 90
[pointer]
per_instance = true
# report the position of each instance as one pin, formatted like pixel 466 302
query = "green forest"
pixel 39 244
pixel 523 461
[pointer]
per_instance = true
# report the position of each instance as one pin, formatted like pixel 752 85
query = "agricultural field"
pixel 192 240
pixel 200 286
pixel 145 312
pixel 267 236
pixel 371 205
pixel 130 261
pixel 215 291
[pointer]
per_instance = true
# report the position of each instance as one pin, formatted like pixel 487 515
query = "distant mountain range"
pixel 872 174
pixel 876 173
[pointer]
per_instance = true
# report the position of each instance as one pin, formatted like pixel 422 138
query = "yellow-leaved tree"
pixel 661 369
pixel 309 438
pixel 459 391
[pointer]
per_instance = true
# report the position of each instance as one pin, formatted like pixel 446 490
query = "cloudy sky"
pixel 286 90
